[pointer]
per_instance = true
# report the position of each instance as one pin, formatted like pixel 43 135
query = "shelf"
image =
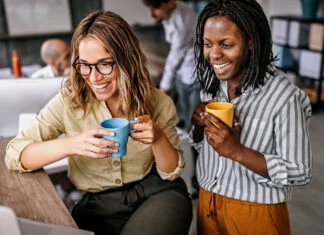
pixel 298 47
pixel 25 36
pixel 283 43
pixel 312 93
pixel 281 31
pixel 288 69
pixel 297 18
pixel 296 72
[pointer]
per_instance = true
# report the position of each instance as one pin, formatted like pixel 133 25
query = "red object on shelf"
pixel 16 67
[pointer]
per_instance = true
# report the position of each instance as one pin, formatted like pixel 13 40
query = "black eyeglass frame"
pixel 96 67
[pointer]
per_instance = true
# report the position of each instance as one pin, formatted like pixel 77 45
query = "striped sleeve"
pixel 291 165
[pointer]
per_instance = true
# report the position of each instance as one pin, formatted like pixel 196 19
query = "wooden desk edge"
pixel 31 195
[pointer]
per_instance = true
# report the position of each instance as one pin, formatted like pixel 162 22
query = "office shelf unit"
pixel 28 44
pixel 292 45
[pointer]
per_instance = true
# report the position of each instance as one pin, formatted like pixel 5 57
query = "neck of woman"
pixel 112 105
pixel 231 87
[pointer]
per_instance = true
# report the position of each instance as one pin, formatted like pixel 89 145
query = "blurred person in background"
pixel 179 20
pixel 56 54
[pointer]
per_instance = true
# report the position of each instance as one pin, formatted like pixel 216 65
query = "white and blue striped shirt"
pixel 180 34
pixel 274 120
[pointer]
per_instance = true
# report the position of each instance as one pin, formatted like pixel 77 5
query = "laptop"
pixel 12 225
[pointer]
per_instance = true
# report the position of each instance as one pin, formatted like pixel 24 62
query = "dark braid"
pixel 251 20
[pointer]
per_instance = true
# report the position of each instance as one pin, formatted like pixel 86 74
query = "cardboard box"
pixel 312 94
pixel 316 37
pixel 280 31
pixel 310 64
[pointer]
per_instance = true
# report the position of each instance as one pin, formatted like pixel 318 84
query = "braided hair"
pixel 251 20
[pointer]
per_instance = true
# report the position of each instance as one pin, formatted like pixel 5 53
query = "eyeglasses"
pixel 85 69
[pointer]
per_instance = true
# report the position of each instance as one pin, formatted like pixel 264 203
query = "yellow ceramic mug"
pixel 223 110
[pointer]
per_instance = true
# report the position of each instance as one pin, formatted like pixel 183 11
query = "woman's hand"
pixel 197 114
pixel 197 120
pixel 146 131
pixel 226 141
pixel 91 144
pixel 223 139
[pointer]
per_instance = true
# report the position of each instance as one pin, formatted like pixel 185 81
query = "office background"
pixel 32 14
pixel 307 205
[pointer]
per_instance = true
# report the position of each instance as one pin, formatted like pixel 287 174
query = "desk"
pixel 31 195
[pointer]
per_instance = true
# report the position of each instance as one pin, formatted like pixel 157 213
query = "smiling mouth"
pixel 101 86
pixel 221 66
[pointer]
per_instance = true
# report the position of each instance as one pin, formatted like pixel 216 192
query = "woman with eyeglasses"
pixel 140 193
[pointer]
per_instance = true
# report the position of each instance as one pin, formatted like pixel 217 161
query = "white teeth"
pixel 220 66
pixel 101 86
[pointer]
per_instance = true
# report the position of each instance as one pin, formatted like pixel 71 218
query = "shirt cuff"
pixel 277 172
pixel 166 83
pixel 176 173
pixel 13 154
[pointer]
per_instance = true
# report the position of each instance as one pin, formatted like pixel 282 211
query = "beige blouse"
pixel 95 175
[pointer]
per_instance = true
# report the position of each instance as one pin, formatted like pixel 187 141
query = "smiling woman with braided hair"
pixel 246 173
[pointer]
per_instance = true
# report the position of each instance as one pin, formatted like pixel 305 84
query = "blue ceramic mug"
pixel 122 129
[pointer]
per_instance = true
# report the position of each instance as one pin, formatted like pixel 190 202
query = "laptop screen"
pixel 10 224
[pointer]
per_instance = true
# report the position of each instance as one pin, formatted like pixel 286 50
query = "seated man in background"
pixel 56 54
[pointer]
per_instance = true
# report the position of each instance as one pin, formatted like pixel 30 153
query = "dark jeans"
pixel 150 206
pixel 188 100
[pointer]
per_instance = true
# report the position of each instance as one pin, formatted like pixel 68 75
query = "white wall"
pixel 134 12
pixel 265 6
pixel 37 16
pixel 286 7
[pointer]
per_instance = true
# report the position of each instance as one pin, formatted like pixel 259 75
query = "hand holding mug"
pixel 91 144
pixel 224 139
pixel 197 120
pixel 197 114
pixel 146 131
pixel 223 110
pixel 122 129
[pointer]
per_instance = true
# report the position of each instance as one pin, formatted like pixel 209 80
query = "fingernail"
pixel 116 144
pixel 115 151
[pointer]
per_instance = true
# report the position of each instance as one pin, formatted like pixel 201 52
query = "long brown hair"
pixel 134 84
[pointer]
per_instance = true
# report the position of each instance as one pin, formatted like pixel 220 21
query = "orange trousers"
pixel 222 215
